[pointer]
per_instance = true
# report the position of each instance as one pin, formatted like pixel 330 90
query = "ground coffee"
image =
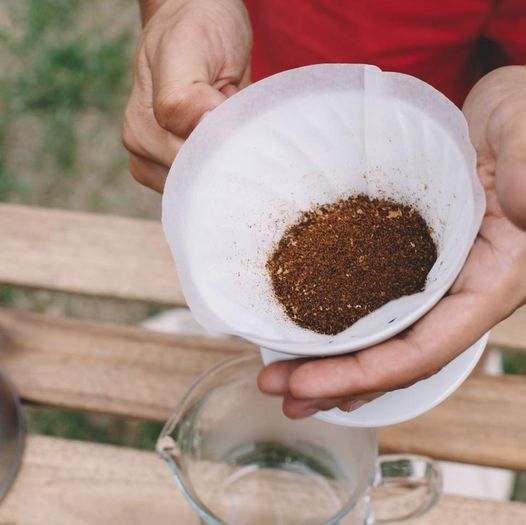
pixel 341 261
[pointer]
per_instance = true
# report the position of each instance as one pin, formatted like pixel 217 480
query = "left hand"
pixel 491 285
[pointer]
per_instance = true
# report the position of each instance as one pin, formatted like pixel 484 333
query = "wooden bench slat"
pixel 511 333
pixel 128 371
pixel 90 254
pixel 482 423
pixel 108 256
pixel 108 368
pixel 67 482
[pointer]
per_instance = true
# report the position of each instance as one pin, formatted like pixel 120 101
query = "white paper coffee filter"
pixel 300 138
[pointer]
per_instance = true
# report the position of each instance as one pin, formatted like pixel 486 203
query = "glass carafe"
pixel 239 461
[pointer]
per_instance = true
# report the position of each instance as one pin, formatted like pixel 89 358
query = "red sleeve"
pixel 506 27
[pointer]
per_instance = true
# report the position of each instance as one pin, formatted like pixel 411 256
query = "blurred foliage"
pixel 7 294
pixel 514 363
pixel 57 71
pixel 519 487
pixel 92 427
pixel 63 61
pixel 9 183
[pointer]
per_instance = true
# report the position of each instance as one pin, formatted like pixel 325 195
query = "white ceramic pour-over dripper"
pixel 303 137
pixel 404 404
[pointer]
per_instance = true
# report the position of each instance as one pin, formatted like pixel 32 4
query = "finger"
pixel 511 168
pixel 274 379
pixel 354 404
pixel 181 86
pixel 147 172
pixel 300 408
pixel 142 135
pixel 451 327
pixel 232 89
pixel 229 90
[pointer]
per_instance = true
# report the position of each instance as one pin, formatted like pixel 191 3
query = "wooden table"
pixel 128 371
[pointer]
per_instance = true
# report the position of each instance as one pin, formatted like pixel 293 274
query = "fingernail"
pixel 353 405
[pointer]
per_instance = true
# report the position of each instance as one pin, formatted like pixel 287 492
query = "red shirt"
pixel 448 43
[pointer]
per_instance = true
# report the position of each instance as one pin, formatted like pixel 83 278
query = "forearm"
pixel 149 7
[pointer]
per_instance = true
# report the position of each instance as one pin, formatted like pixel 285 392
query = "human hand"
pixel 491 285
pixel 192 55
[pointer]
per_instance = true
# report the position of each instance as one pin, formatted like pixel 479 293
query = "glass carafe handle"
pixel 404 487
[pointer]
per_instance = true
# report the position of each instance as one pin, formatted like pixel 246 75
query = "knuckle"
pixel 128 134
pixel 127 138
pixel 361 380
pixel 375 384
pixel 166 105
pixel 136 172
pixel 380 381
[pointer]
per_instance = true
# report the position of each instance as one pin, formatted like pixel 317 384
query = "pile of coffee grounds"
pixel 341 261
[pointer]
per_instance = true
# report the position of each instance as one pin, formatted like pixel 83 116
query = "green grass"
pixel 58 72
pixel 63 63
pixel 92 427
pixel 514 363
pixel 7 295
pixel 519 488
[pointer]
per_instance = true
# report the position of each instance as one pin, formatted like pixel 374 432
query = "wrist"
pixel 511 292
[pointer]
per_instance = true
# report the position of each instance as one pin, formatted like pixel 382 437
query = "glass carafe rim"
pixel 177 469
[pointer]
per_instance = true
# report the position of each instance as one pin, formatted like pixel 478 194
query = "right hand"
pixel 192 55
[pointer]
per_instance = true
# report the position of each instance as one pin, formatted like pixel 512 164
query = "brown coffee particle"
pixel 341 261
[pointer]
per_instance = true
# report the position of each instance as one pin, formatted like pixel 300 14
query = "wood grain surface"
pixel 106 368
pixel 482 423
pixel 128 371
pixel 65 482
pixel 110 256
pixel 511 333
pixel 90 254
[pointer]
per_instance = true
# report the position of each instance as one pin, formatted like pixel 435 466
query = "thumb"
pixel 180 108
pixel 182 90
pixel 511 169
